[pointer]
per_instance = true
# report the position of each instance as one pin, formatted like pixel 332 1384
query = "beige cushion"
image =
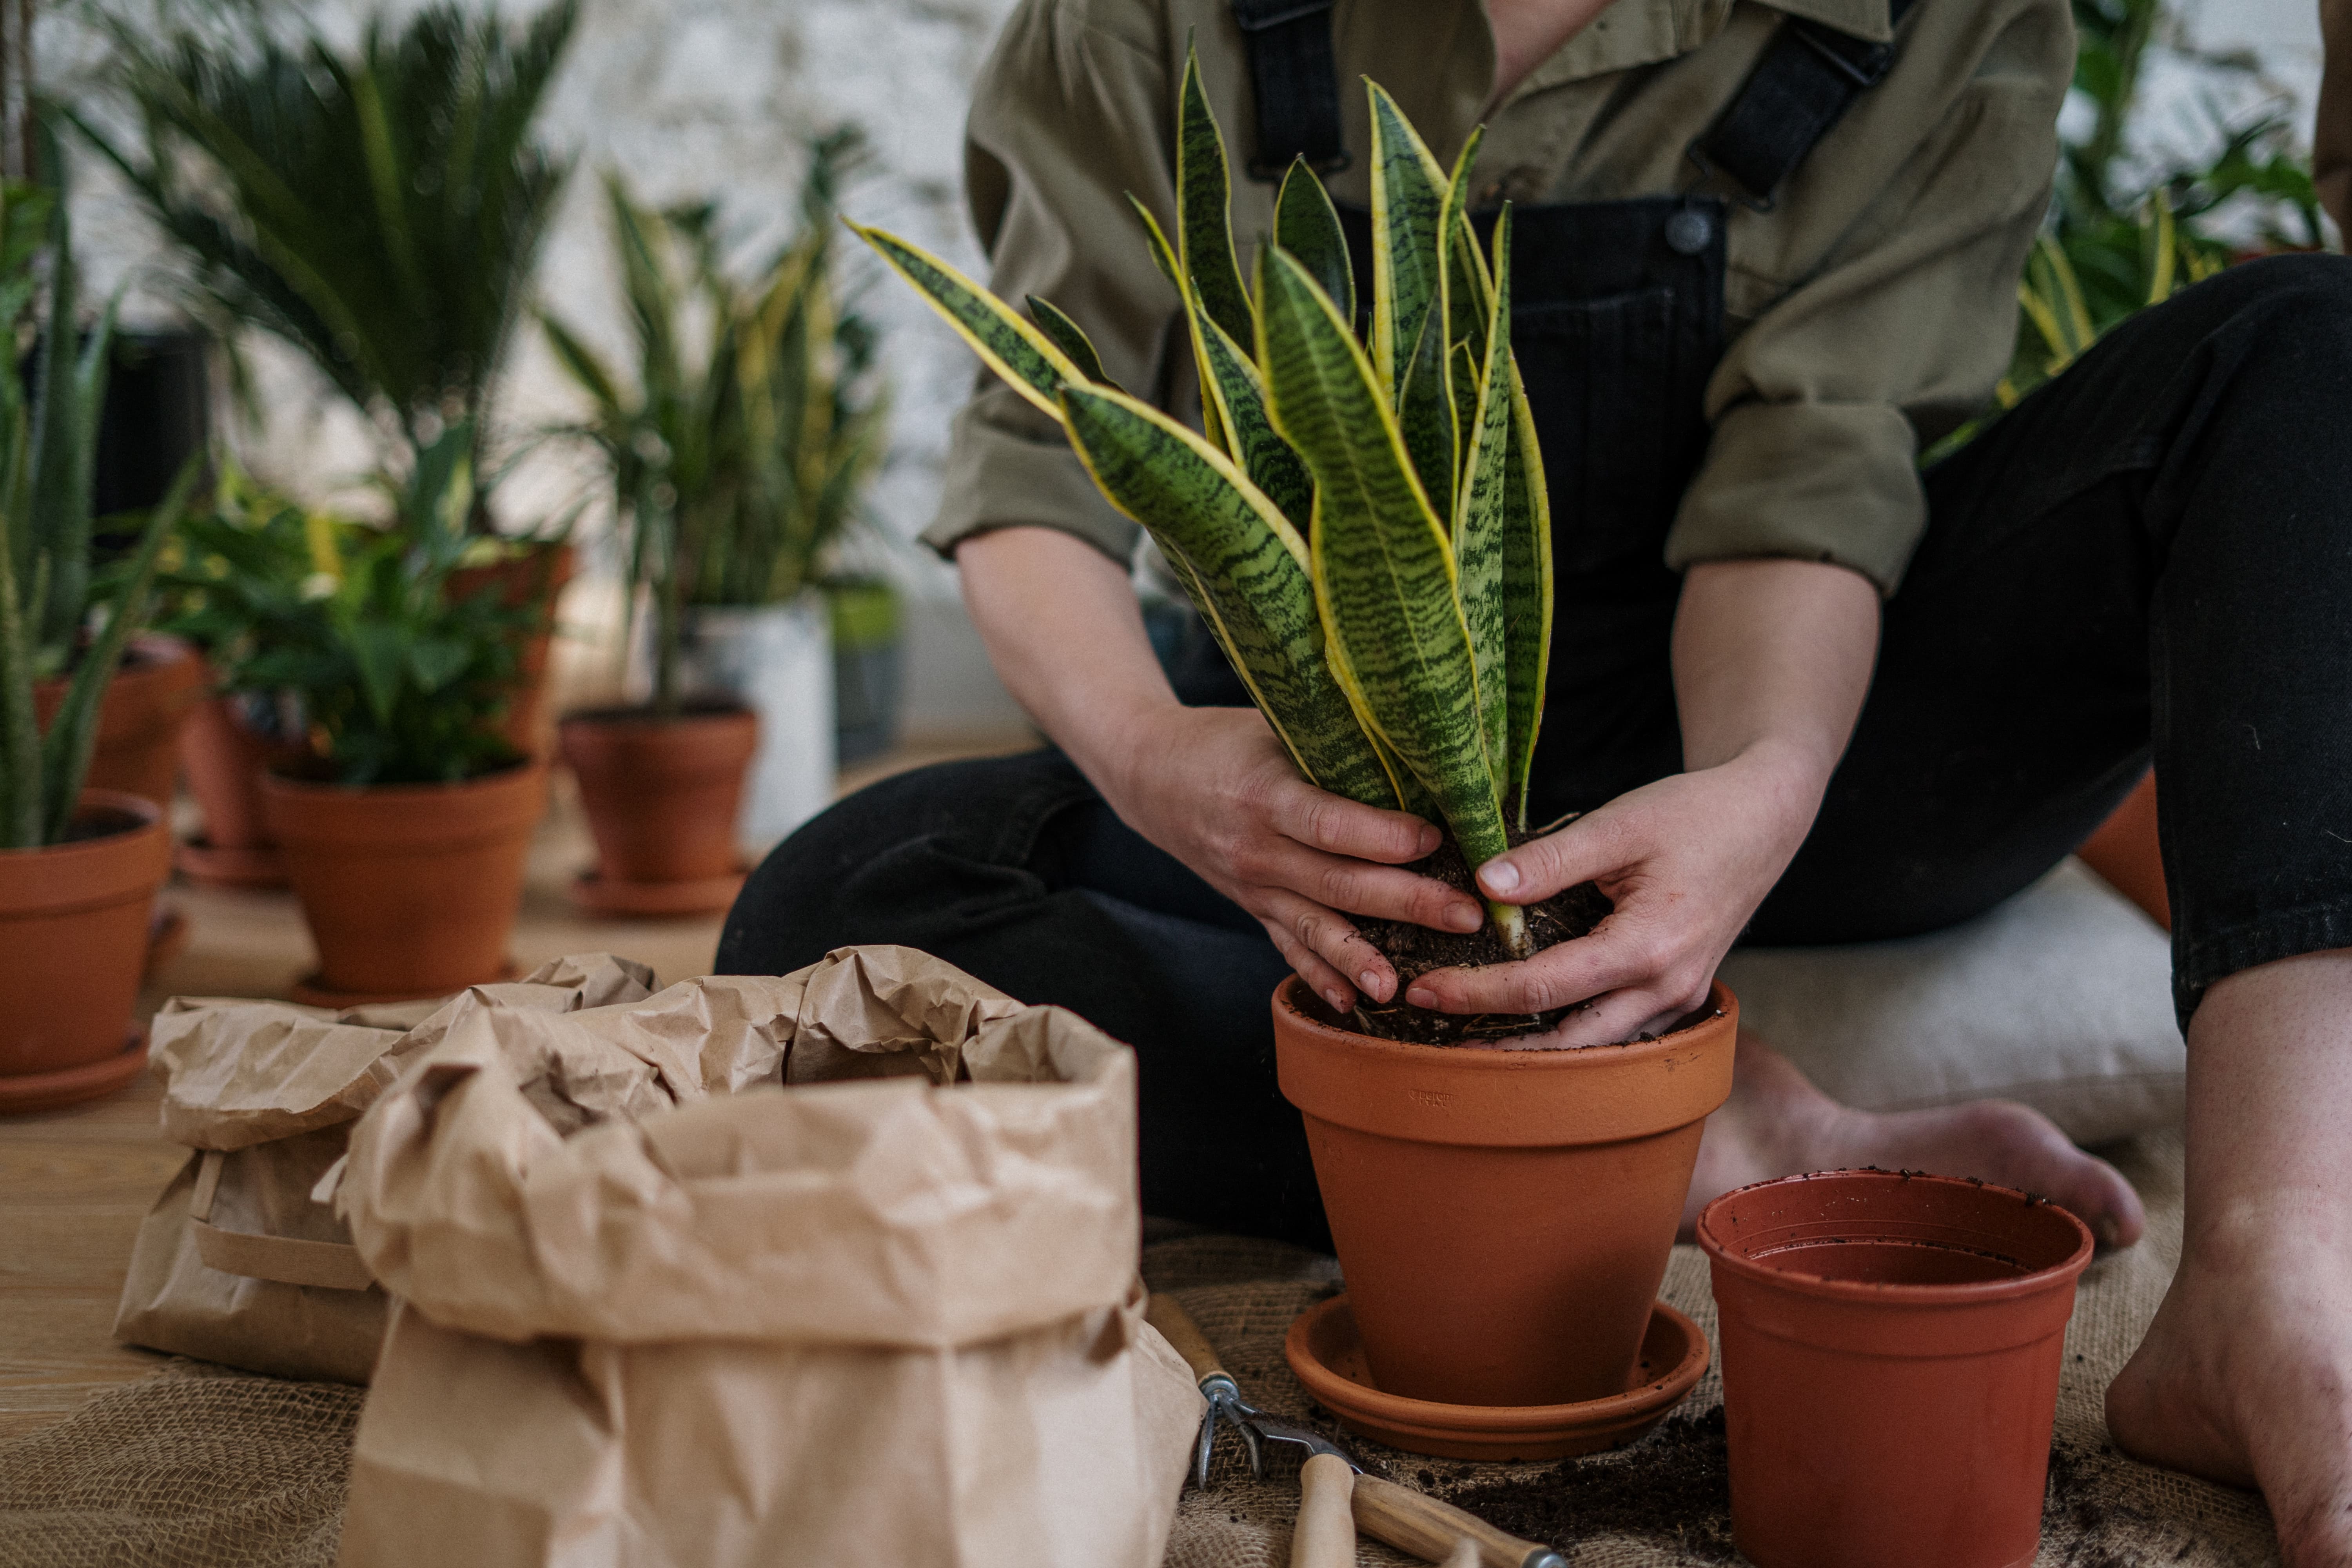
pixel 2061 998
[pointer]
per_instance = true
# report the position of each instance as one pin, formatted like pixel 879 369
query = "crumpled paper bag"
pixel 661 1308
pixel 237 1262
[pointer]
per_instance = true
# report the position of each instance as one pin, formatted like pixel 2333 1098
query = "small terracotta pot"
pixel 2127 852
pixel 158 683
pixel 538 576
pixel 73 926
pixel 409 889
pixel 1504 1217
pixel 1891 1348
pixel 662 795
pixel 224 760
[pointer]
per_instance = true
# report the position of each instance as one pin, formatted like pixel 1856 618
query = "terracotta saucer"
pixel 311 992
pixel 217 867
pixel 71 1086
pixel 699 895
pixel 1323 1349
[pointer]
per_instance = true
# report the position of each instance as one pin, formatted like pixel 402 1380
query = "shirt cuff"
pixel 1008 467
pixel 1815 481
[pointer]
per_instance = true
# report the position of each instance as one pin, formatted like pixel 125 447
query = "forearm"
pixel 1061 624
pixel 1772 659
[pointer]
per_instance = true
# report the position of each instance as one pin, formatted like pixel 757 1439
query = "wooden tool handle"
pixel 1326 1536
pixel 1430 1529
pixel 1168 1315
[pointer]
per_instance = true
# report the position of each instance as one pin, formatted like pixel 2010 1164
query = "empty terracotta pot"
pixel 661 797
pixel 2127 853
pixel 1891 1348
pixel 73 926
pixel 409 889
pixel 158 683
pixel 1504 1217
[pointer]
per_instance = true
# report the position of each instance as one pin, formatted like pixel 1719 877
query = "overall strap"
pixel 1805 82
pixel 1298 82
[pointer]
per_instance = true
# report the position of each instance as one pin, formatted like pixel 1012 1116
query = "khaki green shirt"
pixel 1869 312
pixel 2331 138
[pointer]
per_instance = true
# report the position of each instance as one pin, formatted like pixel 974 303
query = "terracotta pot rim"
pixel 2060 1275
pixel 1477 1058
pixel 277 783
pixel 140 812
pixel 641 716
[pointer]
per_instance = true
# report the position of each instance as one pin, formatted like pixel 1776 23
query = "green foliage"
pixel 48 449
pixel 738 467
pixel 400 670
pixel 1363 527
pixel 381 211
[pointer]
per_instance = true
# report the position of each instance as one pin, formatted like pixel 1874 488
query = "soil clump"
pixel 1673 1487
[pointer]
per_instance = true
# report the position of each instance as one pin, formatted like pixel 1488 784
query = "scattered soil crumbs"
pixel 1673 1487
pixel 1416 949
pixel 2082 1511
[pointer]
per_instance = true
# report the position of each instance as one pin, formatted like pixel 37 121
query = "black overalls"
pixel 2151 552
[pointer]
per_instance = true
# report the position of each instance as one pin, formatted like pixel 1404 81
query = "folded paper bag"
pixel 237 1263
pixel 893 1318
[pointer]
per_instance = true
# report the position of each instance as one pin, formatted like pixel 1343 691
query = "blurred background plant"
pixel 351 635
pixel 379 209
pixel 738 462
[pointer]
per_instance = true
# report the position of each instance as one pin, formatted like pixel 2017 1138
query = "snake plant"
pixel 49 446
pixel 1363 526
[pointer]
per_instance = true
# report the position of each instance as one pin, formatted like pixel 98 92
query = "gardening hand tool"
pixel 1217 1386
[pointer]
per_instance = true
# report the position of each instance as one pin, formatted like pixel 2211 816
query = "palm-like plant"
pixel 47 449
pixel 381 213
pixel 738 463
pixel 1363 526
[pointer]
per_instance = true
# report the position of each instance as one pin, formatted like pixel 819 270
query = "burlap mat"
pixel 231 1471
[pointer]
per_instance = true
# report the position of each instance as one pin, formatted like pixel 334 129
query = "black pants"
pixel 2152 554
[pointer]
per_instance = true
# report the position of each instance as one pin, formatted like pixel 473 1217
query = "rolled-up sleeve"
pixel 1070 116
pixel 1821 405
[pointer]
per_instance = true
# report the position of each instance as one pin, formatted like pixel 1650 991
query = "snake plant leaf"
pixel 1307 224
pixel 1163 257
pixel 1229 380
pixel 1528 604
pixel 1463 378
pixel 1027 359
pixel 1409 192
pixel 1382 565
pixel 1205 230
pixel 1425 415
pixel 1469 287
pixel 1481 516
pixel 1067 337
pixel 1247 572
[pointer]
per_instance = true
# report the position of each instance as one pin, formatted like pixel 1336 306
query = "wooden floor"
pixel 74 1182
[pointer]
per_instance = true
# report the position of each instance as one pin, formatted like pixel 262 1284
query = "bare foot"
pixel 1776 1123
pixel 2245 1378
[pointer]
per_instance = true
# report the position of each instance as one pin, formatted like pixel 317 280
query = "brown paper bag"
pixel 660 1310
pixel 238 1262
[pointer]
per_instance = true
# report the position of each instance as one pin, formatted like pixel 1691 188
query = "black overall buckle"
pixel 1296 79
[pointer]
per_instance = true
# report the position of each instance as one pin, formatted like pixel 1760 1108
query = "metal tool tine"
pixel 1201 1448
pixel 1249 1440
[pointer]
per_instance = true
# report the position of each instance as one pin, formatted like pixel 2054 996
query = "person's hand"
pixel 1686 860
pixel 1214 787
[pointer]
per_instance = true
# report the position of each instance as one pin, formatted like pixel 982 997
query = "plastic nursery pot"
pixel 661 796
pixel 409 889
pixel 73 926
pixel 158 683
pixel 1503 1217
pixel 1891 1348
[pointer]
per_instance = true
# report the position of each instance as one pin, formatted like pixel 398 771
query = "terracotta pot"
pixel 2125 851
pixel 661 796
pixel 1891 1347
pixel 409 889
pixel 223 761
pixel 73 925
pixel 536 577
pixel 159 682
pixel 1503 1217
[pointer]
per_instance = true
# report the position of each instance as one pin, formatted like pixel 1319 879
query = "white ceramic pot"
pixel 776 659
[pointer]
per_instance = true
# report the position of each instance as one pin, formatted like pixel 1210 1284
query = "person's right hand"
pixel 1214 787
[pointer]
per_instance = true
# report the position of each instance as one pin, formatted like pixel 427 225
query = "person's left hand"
pixel 1686 861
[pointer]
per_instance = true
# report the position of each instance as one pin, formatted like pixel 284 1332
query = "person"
pixel 1802 690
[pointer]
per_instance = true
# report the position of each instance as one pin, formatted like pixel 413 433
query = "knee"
pixel 2299 303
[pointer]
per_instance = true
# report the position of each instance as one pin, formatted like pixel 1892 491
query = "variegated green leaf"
pixel 1067 337
pixel 1205 231
pixel 1230 378
pixel 1527 595
pixel 1383 567
pixel 1426 415
pixel 1408 204
pixel 1307 224
pixel 1027 360
pixel 1469 290
pixel 1246 571
pixel 1163 257
pixel 1480 518
pixel 1463 379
